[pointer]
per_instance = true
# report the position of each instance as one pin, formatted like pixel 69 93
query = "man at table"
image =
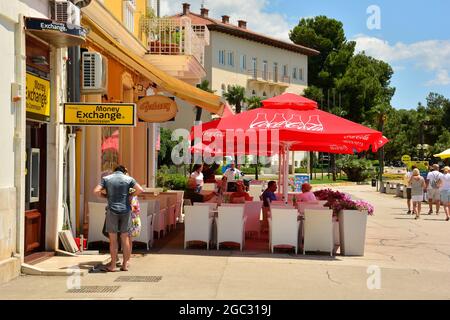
pixel 267 197
pixel 232 173
pixel 240 196
pixel 195 196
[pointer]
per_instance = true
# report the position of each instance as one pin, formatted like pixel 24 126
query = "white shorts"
pixel 417 198
pixel 434 194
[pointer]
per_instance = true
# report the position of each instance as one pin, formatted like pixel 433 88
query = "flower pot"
pixel 352 232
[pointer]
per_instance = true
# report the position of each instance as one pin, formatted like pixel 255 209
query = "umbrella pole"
pixel 279 168
pixel 286 174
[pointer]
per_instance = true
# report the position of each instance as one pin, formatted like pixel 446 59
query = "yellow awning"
pixel 178 88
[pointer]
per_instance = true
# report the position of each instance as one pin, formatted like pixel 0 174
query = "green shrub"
pixel 249 170
pixel 171 181
pixel 357 170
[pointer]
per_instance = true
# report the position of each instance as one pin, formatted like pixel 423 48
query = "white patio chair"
pixel 318 230
pixel 97 213
pixel 146 235
pixel 212 206
pixel 161 216
pixel 231 226
pixel 312 205
pixel 252 211
pixel 255 191
pixel 197 225
pixel 284 228
pixel 232 205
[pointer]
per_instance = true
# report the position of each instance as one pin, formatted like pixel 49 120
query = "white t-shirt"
pixel 231 173
pixel 433 175
pixel 198 178
pixel 445 178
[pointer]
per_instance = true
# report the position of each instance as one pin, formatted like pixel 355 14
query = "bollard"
pixel 399 192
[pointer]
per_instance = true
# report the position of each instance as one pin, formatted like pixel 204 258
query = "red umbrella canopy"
pixel 298 123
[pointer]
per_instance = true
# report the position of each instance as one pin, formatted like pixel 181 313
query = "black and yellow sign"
pixel 37 98
pixel 100 114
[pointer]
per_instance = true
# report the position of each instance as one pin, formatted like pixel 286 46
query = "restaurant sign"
pixel 156 109
pixel 37 98
pixel 100 114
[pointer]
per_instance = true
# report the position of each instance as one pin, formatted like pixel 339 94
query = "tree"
pixel 253 102
pixel 166 146
pixel 328 37
pixel 235 96
pixel 204 85
pixel 364 85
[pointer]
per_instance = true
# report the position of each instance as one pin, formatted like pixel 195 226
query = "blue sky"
pixel 414 36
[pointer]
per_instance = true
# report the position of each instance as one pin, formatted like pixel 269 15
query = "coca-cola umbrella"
pixel 298 124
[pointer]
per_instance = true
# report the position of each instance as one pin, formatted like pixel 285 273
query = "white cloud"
pixel 442 79
pixel 253 11
pixel 431 55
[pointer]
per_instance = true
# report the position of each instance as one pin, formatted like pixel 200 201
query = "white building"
pixel 235 55
pixel 32 89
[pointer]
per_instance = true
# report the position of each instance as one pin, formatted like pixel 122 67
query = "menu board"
pixel 300 179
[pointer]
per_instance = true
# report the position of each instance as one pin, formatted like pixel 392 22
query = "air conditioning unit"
pixel 94 73
pixel 65 11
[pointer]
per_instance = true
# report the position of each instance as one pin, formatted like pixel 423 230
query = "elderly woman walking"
pixel 418 185
pixel 444 185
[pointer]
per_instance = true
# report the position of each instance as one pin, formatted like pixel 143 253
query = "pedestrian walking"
pixel 118 217
pixel 408 176
pixel 418 186
pixel 444 184
pixel 433 191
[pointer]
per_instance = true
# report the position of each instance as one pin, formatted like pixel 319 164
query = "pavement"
pixel 404 259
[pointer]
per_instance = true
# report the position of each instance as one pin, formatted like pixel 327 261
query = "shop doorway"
pixel 35 187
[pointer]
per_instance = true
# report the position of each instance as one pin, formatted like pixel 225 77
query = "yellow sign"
pixel 421 165
pixel 101 114
pixel 406 158
pixel 156 109
pixel 38 97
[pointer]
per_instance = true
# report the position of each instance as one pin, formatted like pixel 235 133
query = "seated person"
pixel 209 173
pixel 194 195
pixel 306 195
pixel 240 196
pixel 222 185
pixel 269 194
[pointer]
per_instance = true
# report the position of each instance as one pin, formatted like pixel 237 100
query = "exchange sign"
pixel 100 114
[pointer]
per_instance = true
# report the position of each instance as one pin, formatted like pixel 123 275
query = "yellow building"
pixel 116 31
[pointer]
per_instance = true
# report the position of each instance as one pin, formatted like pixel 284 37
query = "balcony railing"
pixel 169 36
pixel 268 77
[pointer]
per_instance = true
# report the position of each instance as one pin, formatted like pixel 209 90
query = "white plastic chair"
pixel 318 230
pixel 212 206
pixel 146 235
pixel 284 228
pixel 197 225
pixel 311 205
pixel 252 212
pixel 231 226
pixel 97 213
pixel 161 216
pixel 255 191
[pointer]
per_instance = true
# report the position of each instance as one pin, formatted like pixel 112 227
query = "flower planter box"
pixel 352 232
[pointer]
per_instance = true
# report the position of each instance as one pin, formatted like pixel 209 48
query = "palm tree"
pixel 204 85
pixel 235 96
pixel 253 102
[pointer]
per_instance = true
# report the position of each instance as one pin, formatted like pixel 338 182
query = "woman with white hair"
pixel 417 184
pixel 444 185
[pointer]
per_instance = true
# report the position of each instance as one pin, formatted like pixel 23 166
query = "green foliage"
pixel 204 85
pixel 365 85
pixel 356 169
pixel 166 146
pixel 250 170
pixel 171 181
pixel 235 96
pixel 253 102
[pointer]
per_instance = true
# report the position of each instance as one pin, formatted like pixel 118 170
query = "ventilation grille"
pixel 138 279
pixel 66 12
pixel 94 289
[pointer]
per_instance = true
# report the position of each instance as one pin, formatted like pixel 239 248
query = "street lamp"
pixel 422 148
